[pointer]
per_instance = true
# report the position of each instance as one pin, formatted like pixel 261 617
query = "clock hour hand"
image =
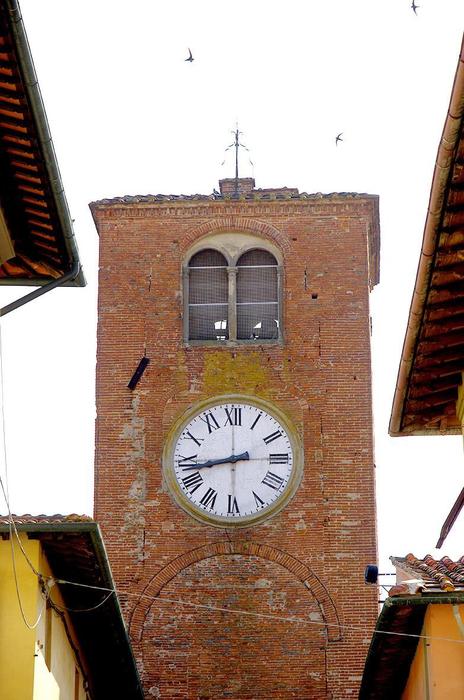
pixel 212 462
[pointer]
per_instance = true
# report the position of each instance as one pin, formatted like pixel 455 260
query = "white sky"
pixel 129 116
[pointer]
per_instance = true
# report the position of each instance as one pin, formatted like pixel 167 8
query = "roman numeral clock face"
pixel 233 463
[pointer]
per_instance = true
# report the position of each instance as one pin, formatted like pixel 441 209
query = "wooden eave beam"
pixel 450 307
pixel 453 232
pixel 434 387
pixel 430 344
pixel 448 260
pixel 450 293
pixel 440 370
pixel 441 355
pixel 429 415
pixel 452 275
pixel 433 400
pixel 436 327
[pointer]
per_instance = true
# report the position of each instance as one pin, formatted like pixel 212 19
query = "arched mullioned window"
pixel 232 294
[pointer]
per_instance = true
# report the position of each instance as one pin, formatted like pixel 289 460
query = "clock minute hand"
pixel 225 460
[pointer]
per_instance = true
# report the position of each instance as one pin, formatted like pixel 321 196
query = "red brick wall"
pixel 307 562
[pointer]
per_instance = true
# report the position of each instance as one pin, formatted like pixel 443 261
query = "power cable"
pixel 11 523
pixel 237 611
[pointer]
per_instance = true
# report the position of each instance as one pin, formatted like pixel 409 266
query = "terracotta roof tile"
pixel 443 574
pixel 28 519
pixel 259 195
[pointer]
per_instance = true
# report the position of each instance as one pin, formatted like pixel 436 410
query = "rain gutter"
pixel 71 275
pixel 435 212
pixel 29 76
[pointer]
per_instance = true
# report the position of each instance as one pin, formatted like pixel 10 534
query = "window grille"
pixel 208 296
pixel 257 296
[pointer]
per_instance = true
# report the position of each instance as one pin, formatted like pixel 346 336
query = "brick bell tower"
pixel 234 477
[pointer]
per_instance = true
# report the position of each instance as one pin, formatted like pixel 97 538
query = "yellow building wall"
pixel 437 671
pixel 17 642
pixel 24 674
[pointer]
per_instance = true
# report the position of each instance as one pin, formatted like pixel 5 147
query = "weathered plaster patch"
pixel 277 601
pixel 137 489
pixel 262 583
pixel 135 432
pixel 315 617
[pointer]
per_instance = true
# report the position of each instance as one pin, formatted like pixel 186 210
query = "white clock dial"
pixel 233 463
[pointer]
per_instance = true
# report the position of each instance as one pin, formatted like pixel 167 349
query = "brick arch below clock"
pixel 313 585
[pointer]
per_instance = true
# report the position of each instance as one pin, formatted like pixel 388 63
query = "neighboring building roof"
pixel 432 359
pixel 75 551
pixel 37 243
pixel 400 622
pixel 437 575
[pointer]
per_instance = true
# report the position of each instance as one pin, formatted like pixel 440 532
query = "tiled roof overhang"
pixel 433 352
pixel 75 551
pixel 32 200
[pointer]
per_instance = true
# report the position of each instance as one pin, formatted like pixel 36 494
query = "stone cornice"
pixel 187 209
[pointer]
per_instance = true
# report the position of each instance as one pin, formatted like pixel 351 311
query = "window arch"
pixel 232 291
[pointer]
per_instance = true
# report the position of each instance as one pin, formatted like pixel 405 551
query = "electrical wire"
pixel 6 493
pixel 5 486
pixel 238 611
pixel 11 523
pixel 64 608
pixel 29 625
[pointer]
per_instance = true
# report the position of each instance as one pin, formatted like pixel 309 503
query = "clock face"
pixel 233 463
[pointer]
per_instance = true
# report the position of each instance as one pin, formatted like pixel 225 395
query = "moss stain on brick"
pixel 231 372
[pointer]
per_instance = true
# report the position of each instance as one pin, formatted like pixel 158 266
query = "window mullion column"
pixel 232 274
pixel 280 299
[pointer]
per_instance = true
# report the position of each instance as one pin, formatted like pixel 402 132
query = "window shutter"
pixel 208 296
pixel 257 296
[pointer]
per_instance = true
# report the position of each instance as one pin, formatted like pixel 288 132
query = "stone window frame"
pixel 232 245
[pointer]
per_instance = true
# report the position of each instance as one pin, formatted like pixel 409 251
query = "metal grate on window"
pixel 208 296
pixel 257 296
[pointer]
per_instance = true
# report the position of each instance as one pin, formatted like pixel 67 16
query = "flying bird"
pixel 190 57
pixel 338 138
pixel 414 7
